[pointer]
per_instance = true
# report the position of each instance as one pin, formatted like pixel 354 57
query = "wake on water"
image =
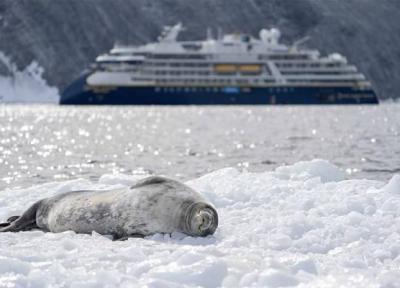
pixel 303 225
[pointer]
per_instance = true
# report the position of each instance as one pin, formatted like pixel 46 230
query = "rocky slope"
pixel 63 36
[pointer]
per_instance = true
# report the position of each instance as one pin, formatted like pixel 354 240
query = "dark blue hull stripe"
pixel 79 94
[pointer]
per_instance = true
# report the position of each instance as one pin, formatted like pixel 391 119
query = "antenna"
pixel 170 33
pixel 209 34
pixel 301 41
pixel 220 34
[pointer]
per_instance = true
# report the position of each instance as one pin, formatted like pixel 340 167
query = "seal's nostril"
pixel 202 219
pixel 206 220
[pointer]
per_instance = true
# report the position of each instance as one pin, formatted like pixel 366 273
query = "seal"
pixel 153 205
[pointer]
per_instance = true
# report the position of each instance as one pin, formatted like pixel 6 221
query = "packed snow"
pixel 26 86
pixel 303 225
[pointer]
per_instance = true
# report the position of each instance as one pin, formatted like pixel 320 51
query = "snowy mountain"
pixel 63 36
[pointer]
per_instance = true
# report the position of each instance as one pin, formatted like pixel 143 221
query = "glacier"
pixel 26 86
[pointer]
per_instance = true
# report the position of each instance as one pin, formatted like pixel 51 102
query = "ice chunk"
pixel 307 265
pixel 274 278
pixel 303 171
pixel 393 186
pixel 17 266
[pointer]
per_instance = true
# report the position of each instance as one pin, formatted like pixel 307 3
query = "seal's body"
pixel 153 205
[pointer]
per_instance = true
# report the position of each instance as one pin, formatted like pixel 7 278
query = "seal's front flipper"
pixel 124 238
pixel 116 238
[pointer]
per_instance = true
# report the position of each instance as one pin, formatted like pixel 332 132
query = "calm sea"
pixel 50 143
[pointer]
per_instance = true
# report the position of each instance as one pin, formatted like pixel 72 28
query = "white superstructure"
pixel 229 60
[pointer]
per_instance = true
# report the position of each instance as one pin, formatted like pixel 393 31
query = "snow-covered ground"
pixel 26 86
pixel 302 225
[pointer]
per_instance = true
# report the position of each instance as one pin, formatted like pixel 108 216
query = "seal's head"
pixel 201 219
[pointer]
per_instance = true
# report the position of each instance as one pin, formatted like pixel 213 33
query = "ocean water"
pixel 39 144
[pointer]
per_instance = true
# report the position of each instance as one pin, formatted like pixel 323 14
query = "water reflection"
pixel 49 143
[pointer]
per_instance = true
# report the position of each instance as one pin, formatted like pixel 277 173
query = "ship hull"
pixel 79 93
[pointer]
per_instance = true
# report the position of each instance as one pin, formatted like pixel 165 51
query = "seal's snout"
pixel 202 220
pixel 205 219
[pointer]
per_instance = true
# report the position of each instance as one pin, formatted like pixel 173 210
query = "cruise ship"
pixel 223 70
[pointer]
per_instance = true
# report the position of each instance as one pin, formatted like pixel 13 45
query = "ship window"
pixel 109 62
pixel 178 56
pixel 192 46
pixel 133 62
pixel 286 57
pixel 332 64
pixel 140 54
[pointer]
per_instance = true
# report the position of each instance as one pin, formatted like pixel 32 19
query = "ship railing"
pixel 318 69
pixel 333 73
pixel 326 77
